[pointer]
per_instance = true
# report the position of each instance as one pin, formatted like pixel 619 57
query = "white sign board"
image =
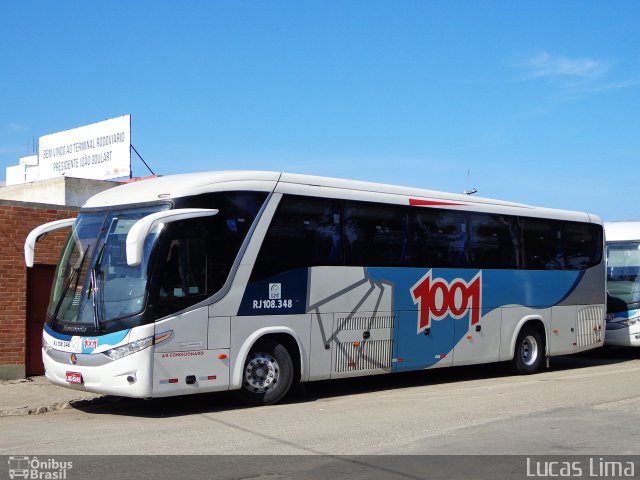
pixel 16 174
pixel 100 151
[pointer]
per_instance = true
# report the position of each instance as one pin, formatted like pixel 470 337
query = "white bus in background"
pixel 623 283
pixel 253 281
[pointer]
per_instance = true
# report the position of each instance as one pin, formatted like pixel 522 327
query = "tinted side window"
pixel 541 242
pixel 304 232
pixel 493 241
pixel 190 266
pixel 439 238
pixel 582 245
pixel 376 235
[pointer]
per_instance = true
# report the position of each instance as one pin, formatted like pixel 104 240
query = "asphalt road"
pixel 584 404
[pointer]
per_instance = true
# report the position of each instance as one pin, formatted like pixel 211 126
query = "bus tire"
pixel 267 375
pixel 528 356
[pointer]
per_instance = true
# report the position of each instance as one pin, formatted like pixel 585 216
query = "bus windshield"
pixel 623 275
pixel 93 283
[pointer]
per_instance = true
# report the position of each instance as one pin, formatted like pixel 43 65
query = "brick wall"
pixel 17 219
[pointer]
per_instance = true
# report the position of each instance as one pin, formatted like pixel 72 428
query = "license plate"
pixel 74 377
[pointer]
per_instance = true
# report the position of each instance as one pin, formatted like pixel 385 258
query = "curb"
pixel 55 407
pixel 35 395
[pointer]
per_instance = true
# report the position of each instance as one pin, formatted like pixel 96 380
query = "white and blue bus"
pixel 623 284
pixel 253 281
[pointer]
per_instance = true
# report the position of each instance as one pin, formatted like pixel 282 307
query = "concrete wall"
pixel 56 191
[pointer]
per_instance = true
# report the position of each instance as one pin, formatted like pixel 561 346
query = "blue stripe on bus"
pixel 89 344
pixel 533 289
pixel 529 288
pixel 282 294
pixel 56 335
pixel 424 336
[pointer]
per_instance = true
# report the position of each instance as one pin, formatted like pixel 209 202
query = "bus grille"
pixel 590 326
pixel 363 342
pixel 367 355
pixel 365 323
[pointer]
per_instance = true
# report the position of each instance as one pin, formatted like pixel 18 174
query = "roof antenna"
pixel 472 190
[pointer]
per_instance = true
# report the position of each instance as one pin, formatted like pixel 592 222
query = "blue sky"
pixel 535 102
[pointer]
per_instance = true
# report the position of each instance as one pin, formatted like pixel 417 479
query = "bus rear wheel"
pixel 267 374
pixel 529 352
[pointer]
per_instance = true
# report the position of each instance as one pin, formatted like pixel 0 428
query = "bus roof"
pixel 182 185
pixel 622 231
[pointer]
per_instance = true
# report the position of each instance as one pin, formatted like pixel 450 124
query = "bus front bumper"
pixel 623 337
pixel 130 376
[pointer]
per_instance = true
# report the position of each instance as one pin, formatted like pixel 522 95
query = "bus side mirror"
pixel 141 229
pixel 39 232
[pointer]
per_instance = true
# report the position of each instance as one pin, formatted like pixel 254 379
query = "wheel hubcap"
pixel 261 372
pixel 529 350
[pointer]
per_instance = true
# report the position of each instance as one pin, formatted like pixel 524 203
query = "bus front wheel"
pixel 529 352
pixel 267 374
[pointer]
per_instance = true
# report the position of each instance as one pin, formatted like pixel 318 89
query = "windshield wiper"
pixel 93 287
pixel 75 273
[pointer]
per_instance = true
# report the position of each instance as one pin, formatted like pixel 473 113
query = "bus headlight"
pixel 129 348
pixel 136 346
